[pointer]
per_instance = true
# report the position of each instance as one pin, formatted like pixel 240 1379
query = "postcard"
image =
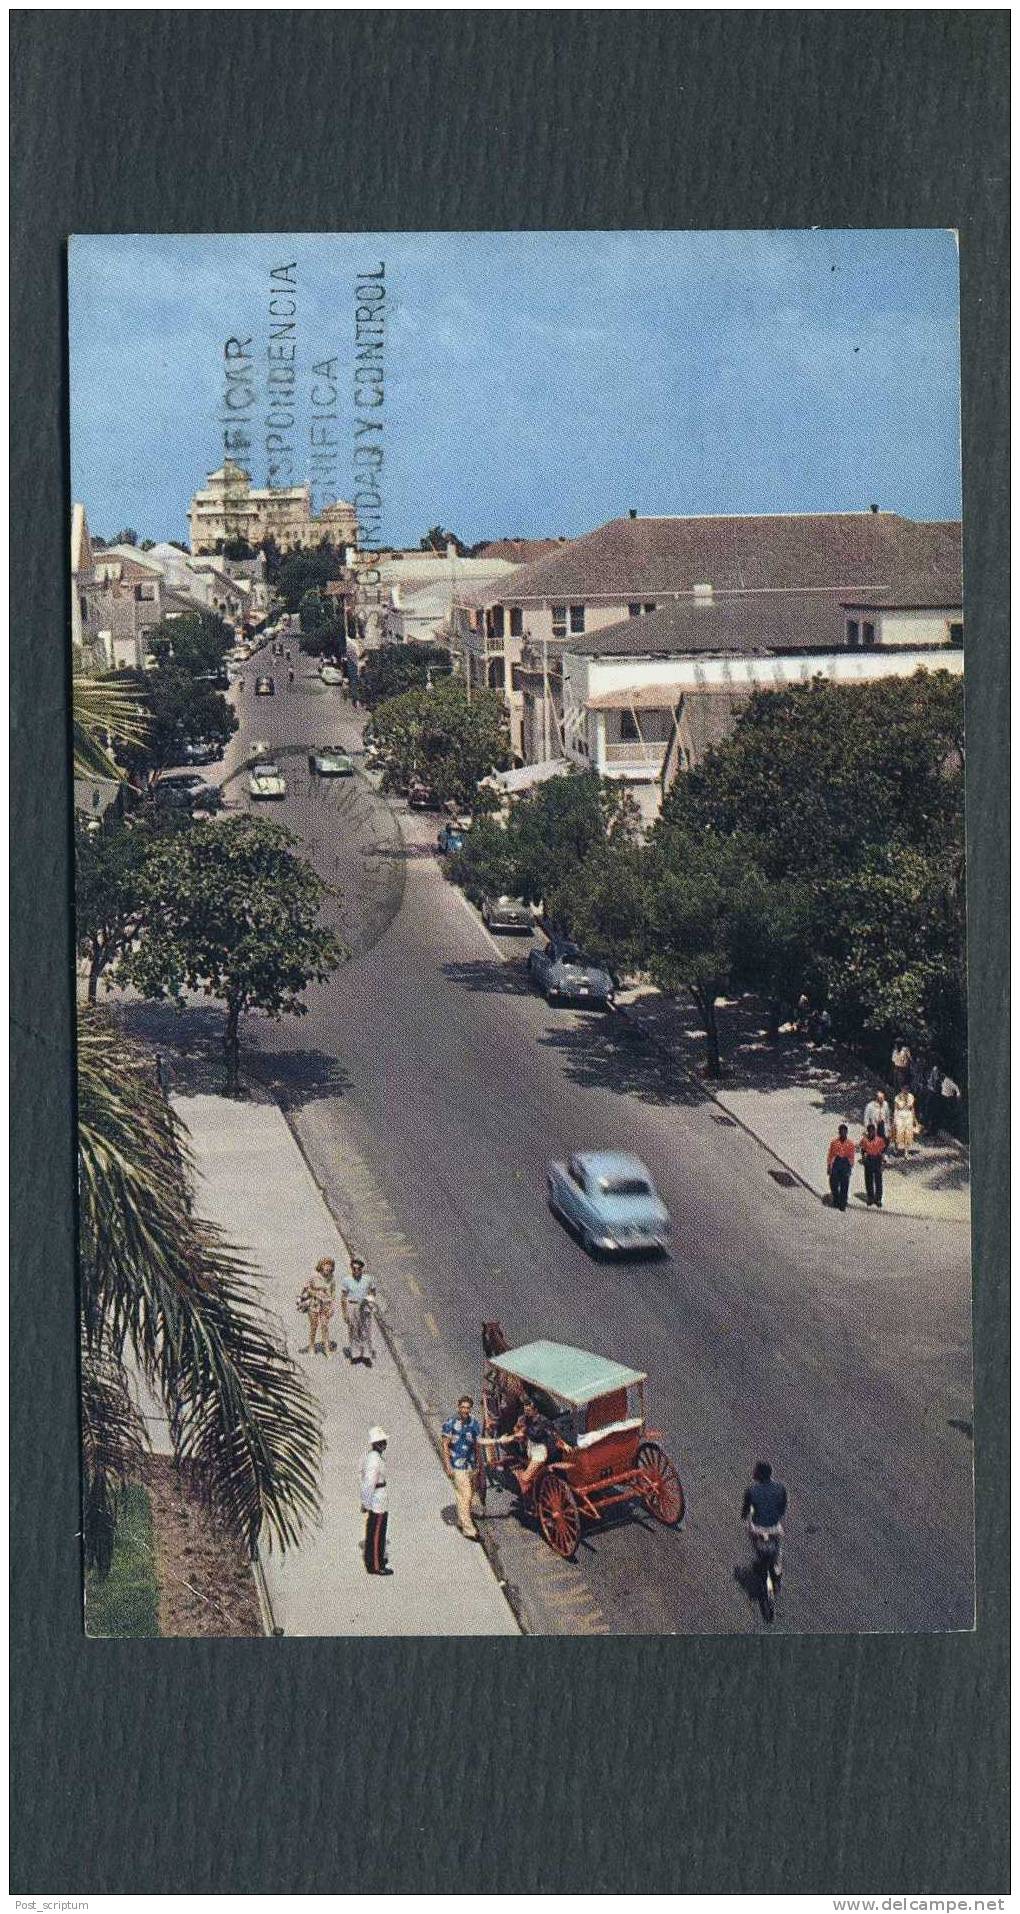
pixel 520 922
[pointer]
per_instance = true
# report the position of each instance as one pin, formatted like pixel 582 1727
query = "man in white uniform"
pixel 375 1502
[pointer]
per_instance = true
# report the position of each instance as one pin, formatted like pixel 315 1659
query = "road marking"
pixel 432 1323
pixel 414 1285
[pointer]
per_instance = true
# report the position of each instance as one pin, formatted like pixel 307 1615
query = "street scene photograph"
pixel 520 928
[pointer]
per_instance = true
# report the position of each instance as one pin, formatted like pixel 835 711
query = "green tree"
pixel 328 640
pixel 234 915
pixel 158 1281
pixel 696 882
pixel 397 668
pixel 108 894
pixel 180 710
pixel 302 572
pixel 197 643
pixel 237 548
pixel 312 611
pixel 127 537
pixel 437 539
pixel 554 828
pixel 818 772
pixel 444 738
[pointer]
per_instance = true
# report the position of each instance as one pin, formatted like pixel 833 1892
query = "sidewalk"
pixel 254 1183
pixel 791 1098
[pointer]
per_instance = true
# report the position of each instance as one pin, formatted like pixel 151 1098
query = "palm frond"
pixel 103 714
pixel 113 1445
pixel 161 1281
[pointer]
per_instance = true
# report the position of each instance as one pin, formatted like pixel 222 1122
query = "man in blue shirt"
pixel 763 1511
pixel 461 1435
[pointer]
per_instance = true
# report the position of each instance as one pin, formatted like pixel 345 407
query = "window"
pixel 577 617
pixel 629 732
pixel 497 674
pixel 648 607
pixel 852 632
pixel 956 634
pixel 496 621
pixel 559 621
pixel 633 611
pixel 516 622
pixel 868 634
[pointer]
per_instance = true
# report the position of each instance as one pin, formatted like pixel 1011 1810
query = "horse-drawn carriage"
pixel 598 1448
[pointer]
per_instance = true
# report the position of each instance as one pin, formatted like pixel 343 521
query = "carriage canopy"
pixel 574 1375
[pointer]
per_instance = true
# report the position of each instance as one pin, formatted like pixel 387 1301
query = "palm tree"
pixel 160 1285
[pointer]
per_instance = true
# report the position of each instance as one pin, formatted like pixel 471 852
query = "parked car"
pixel 266 781
pixel 330 762
pixel 566 976
pixel 509 914
pixel 450 839
pixel 203 751
pixel 608 1197
pixel 332 675
pixel 265 687
pixel 419 797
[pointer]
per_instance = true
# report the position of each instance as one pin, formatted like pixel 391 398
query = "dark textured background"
pixel 246 1766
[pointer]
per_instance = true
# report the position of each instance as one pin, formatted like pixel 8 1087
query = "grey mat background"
pixel 879 1762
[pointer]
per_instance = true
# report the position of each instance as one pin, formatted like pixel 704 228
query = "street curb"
pixel 402 1364
pixel 666 1050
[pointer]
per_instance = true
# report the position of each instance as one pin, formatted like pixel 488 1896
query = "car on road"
pixel 265 687
pixel 332 674
pixel 449 839
pixel 565 975
pixel 510 914
pixel 330 762
pixel 267 781
pixel 609 1199
pixel 260 748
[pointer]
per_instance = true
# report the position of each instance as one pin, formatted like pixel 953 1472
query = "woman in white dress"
pixel 905 1129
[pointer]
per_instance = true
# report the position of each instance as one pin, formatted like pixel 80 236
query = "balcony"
pixel 634 759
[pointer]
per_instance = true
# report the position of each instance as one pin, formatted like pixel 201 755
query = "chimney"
pixel 703 595
pixel 451 549
pixel 632 513
pixel 873 508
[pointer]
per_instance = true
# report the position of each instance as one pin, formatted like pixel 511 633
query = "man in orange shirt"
pixel 873 1149
pixel 839 1165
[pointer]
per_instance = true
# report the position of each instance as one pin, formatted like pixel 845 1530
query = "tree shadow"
pixel 605 1052
pixel 188 1056
pixel 492 978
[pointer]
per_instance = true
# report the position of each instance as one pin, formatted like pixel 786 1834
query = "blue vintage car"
pixel 450 839
pixel 609 1199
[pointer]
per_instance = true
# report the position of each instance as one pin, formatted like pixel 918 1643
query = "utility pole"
pixel 545 699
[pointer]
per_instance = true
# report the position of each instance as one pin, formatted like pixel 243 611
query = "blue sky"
pixel 539 384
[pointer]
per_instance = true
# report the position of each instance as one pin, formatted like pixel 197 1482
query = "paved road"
pixel 429 1089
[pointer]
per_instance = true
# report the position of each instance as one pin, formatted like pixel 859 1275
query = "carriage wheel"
pixel 664 1496
pixel 558 1514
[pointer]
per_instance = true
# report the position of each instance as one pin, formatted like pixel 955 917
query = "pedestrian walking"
pixel 461 1434
pixel 357 1296
pixel 949 1103
pixel 325 1269
pixel 879 1113
pixel 375 1502
pixel 315 1302
pixel 901 1064
pixel 841 1158
pixel 873 1148
pixel 905 1127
